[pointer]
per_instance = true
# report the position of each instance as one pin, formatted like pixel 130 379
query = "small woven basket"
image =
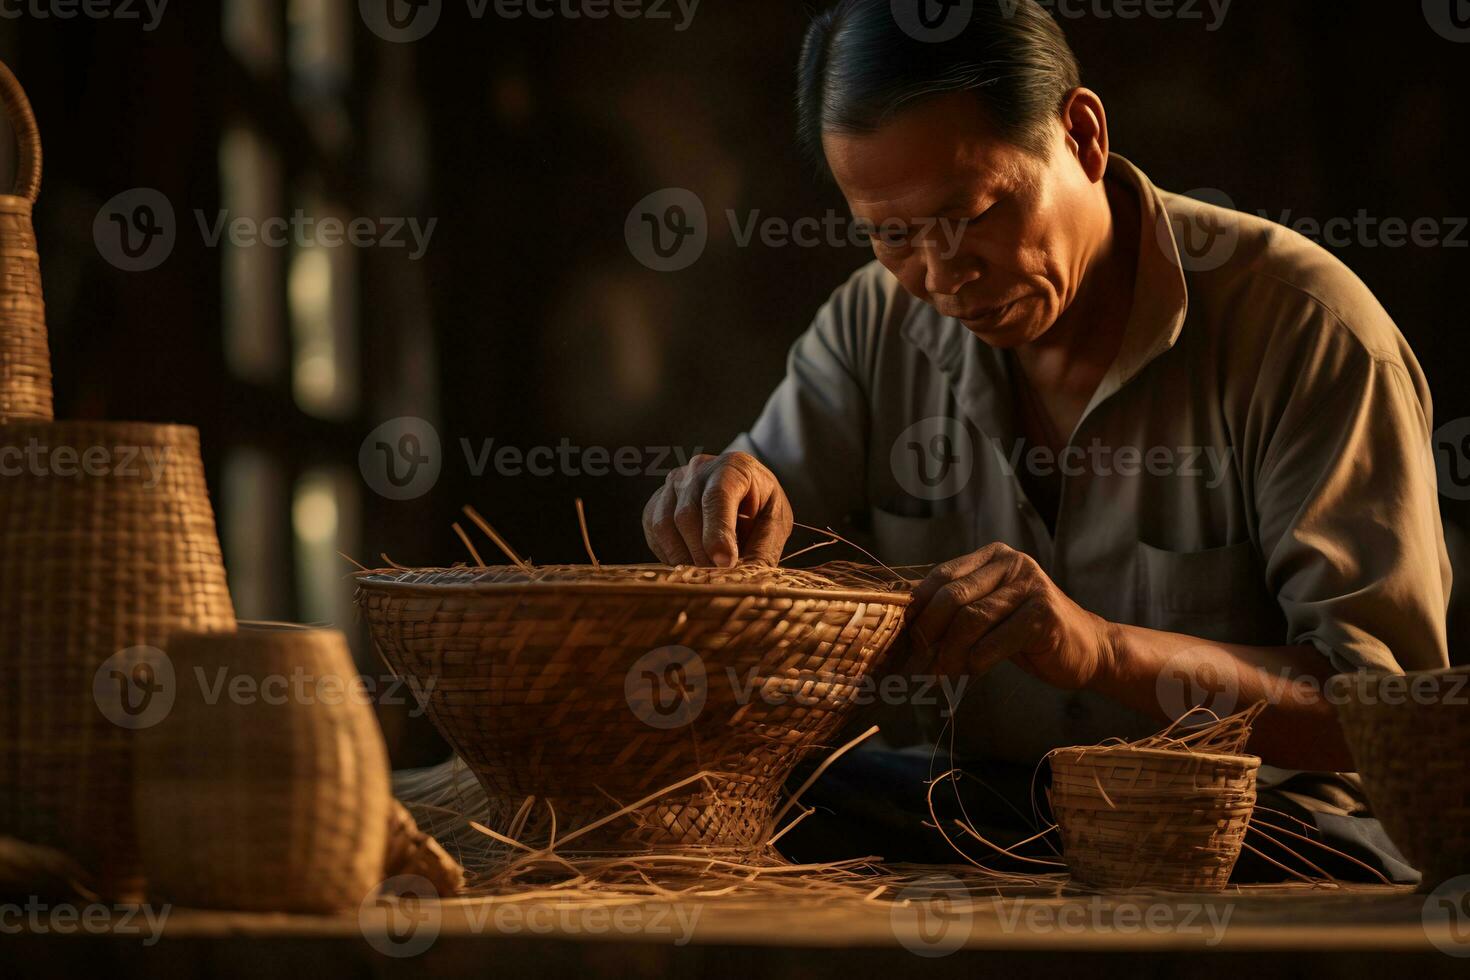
pixel 593 688
pixel 1152 818
pixel 268 793
pixel 25 360
pixel 1408 735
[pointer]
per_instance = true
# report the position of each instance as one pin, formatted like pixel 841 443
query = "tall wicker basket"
pixel 266 787
pixel 107 542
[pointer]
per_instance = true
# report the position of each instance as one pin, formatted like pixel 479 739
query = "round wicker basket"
pixel 593 688
pixel 1152 818
pixel 266 786
pixel 1407 734
pixel 25 359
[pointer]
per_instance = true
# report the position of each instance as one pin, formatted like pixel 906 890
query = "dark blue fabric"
pixel 873 803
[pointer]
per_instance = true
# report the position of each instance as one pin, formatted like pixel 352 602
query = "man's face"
pixel 994 235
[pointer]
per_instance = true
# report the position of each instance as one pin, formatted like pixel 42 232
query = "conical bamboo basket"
pixel 107 543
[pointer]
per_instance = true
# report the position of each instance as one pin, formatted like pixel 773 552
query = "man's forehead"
pixel 937 154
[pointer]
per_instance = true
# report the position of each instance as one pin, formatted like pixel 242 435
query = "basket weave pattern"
pixel 93 565
pixel 269 803
pixel 1411 757
pixel 25 359
pixel 530 682
pixel 1133 818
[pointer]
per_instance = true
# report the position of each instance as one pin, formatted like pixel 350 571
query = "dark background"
pixel 528 320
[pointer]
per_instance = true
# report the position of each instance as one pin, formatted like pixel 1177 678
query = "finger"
pixel 933 617
pixel 670 542
pixel 689 513
pixel 730 485
pixel 1018 634
pixel 942 574
pixel 769 530
pixel 954 650
pixel 649 534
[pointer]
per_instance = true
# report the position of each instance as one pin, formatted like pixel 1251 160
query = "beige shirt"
pixel 1255 467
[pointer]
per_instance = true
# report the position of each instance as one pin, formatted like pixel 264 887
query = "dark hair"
pixel 859 65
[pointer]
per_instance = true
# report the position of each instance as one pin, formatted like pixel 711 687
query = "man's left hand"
pixel 997 604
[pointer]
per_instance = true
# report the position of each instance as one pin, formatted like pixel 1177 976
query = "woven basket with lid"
pixel 108 543
pixel 593 688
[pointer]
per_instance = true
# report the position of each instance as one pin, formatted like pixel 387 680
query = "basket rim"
pixel 379 580
pixel 1079 752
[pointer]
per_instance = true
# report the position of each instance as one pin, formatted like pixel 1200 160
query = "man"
pixel 1158 447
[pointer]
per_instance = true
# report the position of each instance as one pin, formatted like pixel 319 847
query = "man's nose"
pixel 947 276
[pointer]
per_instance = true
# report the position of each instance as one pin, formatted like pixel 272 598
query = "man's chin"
pixel 1011 328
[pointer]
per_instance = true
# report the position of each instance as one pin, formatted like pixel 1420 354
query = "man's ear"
pixel 1085 127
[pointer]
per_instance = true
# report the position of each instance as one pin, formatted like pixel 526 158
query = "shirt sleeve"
pixel 1349 513
pixel 813 431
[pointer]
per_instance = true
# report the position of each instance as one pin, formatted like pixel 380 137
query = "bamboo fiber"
pixel 1410 751
pixel 268 794
pixel 566 683
pixel 25 362
pixel 98 558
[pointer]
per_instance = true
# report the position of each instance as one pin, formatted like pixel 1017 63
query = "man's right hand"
pixel 717 510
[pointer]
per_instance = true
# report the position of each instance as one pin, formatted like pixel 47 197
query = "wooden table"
pixel 1249 934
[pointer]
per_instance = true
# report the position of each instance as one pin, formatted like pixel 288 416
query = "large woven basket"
pixel 1408 734
pixel 1152 818
pixel 591 689
pixel 25 362
pixel 266 786
pixel 95 562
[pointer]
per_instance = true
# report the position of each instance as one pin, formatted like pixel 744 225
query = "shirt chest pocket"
pixel 1216 594
pixel 921 540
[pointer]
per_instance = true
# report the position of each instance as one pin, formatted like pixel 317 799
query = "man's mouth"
pixel 986 314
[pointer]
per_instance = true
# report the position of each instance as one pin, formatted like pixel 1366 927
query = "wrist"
pixel 1111 656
